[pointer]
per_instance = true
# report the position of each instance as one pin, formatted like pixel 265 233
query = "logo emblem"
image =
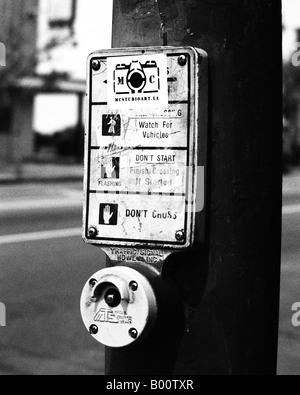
pixel 137 82
pixel 137 77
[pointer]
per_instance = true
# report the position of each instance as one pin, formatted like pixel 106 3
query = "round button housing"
pixel 121 304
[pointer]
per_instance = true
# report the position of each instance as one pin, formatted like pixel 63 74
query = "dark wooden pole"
pixel 230 294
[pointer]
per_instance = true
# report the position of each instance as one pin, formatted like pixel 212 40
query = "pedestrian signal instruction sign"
pixel 141 148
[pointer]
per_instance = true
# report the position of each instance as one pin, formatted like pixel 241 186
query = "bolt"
pixel 182 60
pixel 92 283
pixel 133 333
pixel 189 32
pixel 180 235
pixel 96 65
pixel 133 286
pixel 93 232
pixel 93 330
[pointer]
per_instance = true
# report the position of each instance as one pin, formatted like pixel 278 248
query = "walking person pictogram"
pixel 111 125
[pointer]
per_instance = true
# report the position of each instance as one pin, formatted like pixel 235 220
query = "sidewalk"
pixel 40 196
pixel 41 173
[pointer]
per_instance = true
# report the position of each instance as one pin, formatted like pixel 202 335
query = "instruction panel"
pixel 140 150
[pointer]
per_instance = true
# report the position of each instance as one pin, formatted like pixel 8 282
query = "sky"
pixel 290 11
pixel 291 21
pixel 92 32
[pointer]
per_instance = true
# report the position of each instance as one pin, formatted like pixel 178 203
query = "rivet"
pixel 93 330
pixel 180 235
pixel 133 286
pixel 182 60
pixel 133 333
pixel 96 65
pixel 92 283
pixel 93 232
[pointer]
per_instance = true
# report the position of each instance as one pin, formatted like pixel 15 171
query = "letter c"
pixel 152 79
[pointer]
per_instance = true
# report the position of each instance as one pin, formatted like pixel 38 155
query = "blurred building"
pixel 19 81
pixel 18 31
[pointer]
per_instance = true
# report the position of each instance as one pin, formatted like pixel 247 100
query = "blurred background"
pixel 43 264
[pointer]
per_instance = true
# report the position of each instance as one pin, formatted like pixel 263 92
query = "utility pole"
pixel 229 293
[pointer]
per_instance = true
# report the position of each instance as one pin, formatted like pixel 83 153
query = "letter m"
pixel 2 55
pixel 2 315
pixel 121 81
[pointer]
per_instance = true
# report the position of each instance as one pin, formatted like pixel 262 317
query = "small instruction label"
pixel 113 317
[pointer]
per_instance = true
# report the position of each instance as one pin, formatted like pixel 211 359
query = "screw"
pixel 96 65
pixel 133 286
pixel 180 235
pixel 93 330
pixel 189 32
pixel 182 60
pixel 92 283
pixel 133 333
pixel 93 232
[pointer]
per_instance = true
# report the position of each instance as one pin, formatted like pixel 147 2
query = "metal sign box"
pixel 145 143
